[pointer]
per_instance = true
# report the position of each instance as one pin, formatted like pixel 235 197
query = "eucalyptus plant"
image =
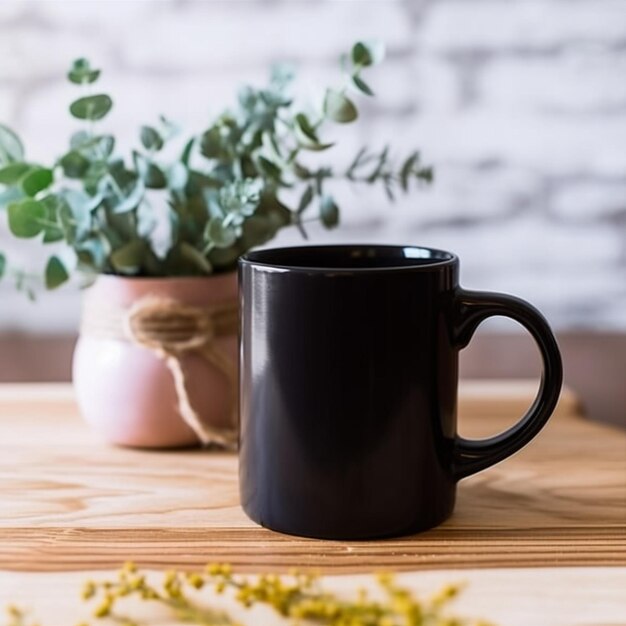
pixel 223 192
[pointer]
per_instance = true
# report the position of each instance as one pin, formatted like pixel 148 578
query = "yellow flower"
pixel 195 580
pixel 385 579
pixel 445 594
pixel 104 608
pixel 89 590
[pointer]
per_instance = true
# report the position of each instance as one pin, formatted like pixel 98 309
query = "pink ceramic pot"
pixel 126 392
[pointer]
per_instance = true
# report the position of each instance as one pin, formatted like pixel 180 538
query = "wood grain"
pixel 70 502
pixel 256 550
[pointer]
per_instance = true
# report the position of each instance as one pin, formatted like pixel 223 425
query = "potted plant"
pixel 156 238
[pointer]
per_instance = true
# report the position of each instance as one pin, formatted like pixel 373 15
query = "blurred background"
pixel 519 105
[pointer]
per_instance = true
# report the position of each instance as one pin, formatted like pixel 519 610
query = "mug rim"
pixel 439 259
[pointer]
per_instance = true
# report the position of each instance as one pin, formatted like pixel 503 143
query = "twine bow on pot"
pixel 173 330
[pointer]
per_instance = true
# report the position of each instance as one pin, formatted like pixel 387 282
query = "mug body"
pixel 348 389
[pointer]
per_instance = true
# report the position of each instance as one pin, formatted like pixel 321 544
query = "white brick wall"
pixel 533 25
pixel 552 86
pixel 521 105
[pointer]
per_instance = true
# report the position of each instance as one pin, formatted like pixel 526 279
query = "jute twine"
pixel 173 330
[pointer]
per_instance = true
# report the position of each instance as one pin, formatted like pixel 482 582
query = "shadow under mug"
pixel 348 388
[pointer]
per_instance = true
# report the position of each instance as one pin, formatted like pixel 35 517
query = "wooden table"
pixel 548 523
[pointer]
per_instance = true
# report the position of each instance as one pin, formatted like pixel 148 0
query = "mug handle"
pixel 471 308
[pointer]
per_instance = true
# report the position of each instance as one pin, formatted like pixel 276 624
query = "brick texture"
pixel 520 105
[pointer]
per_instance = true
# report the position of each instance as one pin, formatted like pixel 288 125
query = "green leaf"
pixel 281 74
pixel 194 256
pixel 306 135
pixel 269 169
pixel 241 197
pixel 150 138
pixel 93 252
pixel 277 214
pixel 154 178
pixel 177 176
pixel 80 139
pixel 329 212
pixel 212 144
pixel 25 218
pixel 315 147
pixel 128 258
pixel 360 54
pixel 80 64
pixel 305 200
pixel 379 168
pixel 10 174
pixel 361 85
pixel 389 192
pixel 301 171
pixel 274 99
pixel 426 174
pixel 95 178
pixel 224 258
pixel 80 78
pixel 300 226
pixel 94 147
pixel 219 235
pixel 91 107
pixel 36 180
pixel 75 210
pixel 247 98
pixel 52 230
pixel 106 143
pixel 81 72
pixel 186 154
pixel 366 53
pixel 73 216
pixel 52 234
pixel 56 274
pixel 3 264
pixel 74 164
pixel 11 148
pixel 257 231
pixel 132 200
pixel 151 174
pixel 407 170
pixel 339 108
pixel 303 123
pixel 146 219
pixel 271 148
pixel 168 128
pixel 9 195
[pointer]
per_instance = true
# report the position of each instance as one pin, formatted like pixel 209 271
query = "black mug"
pixel 348 388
